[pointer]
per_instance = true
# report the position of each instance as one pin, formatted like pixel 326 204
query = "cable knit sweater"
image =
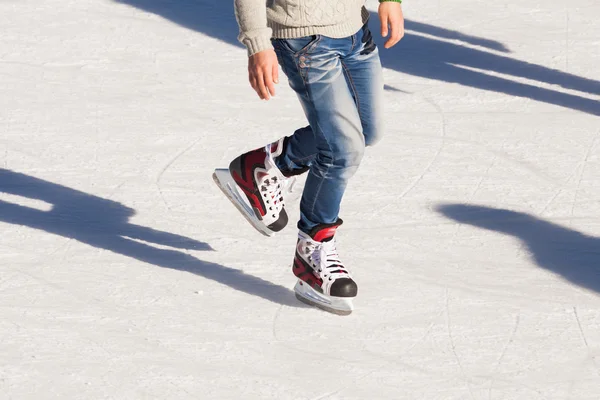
pixel 260 20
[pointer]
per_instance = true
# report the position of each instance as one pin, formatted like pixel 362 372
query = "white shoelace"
pixel 272 184
pixel 325 257
pixel 270 187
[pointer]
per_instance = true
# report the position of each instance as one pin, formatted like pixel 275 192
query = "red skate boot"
pixel 323 280
pixel 254 185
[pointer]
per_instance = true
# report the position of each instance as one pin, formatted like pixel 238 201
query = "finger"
pixel 383 18
pixel 256 86
pixel 269 82
pixel 396 34
pixel 390 42
pixel 262 89
pixel 275 73
pixel 399 29
pixel 393 34
pixel 252 81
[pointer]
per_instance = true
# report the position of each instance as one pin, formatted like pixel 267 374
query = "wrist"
pixel 257 44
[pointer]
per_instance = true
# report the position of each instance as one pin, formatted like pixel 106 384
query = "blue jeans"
pixel 340 86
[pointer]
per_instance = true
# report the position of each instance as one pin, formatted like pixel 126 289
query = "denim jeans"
pixel 340 86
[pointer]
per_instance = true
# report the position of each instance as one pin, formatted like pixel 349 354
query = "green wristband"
pixel 393 1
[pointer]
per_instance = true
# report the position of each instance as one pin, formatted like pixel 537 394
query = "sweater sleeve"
pixel 251 16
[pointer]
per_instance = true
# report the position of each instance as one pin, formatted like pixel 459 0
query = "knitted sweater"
pixel 260 20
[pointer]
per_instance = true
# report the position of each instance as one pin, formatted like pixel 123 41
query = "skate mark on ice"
pixel 563 188
pixel 567 46
pixel 500 154
pixel 104 224
pixel 117 188
pixel 571 176
pixel 511 338
pixel 415 182
pixel 582 173
pixel 394 361
pixel 65 290
pixel 581 368
pixel 418 341
pixel 585 341
pixel 304 346
pixel 439 149
pixel 337 391
pixel 480 181
pixel 278 314
pixel 168 165
pixel 580 328
pixel 465 377
pixel 565 252
pixel 427 332
pixel 274 327
pixel 348 386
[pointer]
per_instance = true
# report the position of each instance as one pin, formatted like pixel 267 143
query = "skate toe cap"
pixel 344 287
pixel 280 223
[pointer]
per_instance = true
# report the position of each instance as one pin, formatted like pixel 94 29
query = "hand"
pixel 263 73
pixel 392 18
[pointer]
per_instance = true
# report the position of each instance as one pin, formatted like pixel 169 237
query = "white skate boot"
pixel 323 280
pixel 254 185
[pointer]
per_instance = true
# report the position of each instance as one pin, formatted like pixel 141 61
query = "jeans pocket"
pixel 299 45
pixel 368 45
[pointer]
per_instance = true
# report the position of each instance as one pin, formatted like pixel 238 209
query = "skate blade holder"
pixel 225 182
pixel 332 304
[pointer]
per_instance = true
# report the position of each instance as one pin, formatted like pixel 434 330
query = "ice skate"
pixel 255 185
pixel 323 280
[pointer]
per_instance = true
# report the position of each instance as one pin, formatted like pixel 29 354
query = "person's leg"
pixel 339 84
pixel 364 74
pixel 315 71
pixel 299 151
pixel 332 79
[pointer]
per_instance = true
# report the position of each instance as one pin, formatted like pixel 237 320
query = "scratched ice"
pixel 125 273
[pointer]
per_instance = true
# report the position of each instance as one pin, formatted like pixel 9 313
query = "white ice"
pixel 473 229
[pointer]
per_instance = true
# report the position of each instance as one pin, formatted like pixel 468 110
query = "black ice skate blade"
pixel 323 307
pixel 251 219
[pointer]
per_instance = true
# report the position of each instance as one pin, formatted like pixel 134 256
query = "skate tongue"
pixel 325 232
pixel 274 147
pixel 260 175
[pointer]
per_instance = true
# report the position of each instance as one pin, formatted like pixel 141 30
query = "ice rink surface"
pixel 473 229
